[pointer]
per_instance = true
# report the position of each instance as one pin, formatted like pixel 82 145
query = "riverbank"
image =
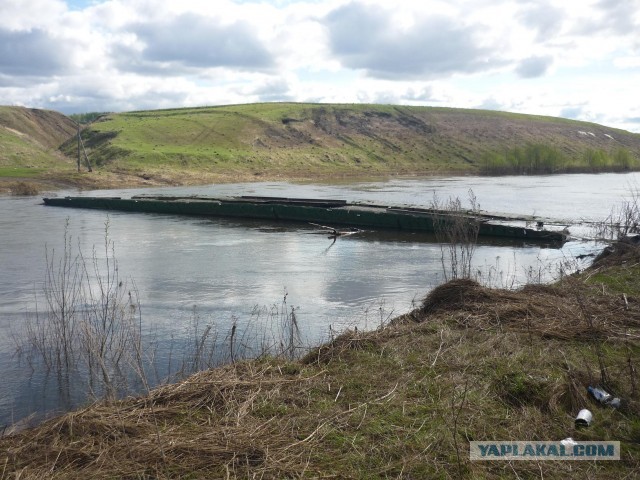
pixel 405 401
pixel 104 180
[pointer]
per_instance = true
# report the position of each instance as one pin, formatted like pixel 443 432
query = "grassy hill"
pixel 296 141
pixel 30 141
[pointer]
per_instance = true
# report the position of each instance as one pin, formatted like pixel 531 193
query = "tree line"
pixel 539 158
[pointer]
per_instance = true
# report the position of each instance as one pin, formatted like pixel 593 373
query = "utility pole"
pixel 81 144
pixel 78 147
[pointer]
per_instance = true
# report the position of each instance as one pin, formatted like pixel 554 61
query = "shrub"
pixel 529 159
pixel 24 189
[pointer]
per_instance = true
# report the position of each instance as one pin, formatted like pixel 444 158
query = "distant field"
pixel 309 141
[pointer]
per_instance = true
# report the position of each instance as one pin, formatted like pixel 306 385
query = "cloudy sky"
pixel 571 58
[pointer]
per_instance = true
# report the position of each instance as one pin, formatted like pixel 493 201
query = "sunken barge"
pixel 318 211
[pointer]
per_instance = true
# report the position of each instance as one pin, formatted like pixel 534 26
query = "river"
pixel 229 269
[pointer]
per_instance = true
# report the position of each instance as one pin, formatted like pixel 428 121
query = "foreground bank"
pixel 470 364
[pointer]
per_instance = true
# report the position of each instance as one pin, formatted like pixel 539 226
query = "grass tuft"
pixel 24 189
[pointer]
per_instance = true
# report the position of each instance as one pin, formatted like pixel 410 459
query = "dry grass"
pixel 470 364
pixel 24 189
pixel 200 427
pixel 556 311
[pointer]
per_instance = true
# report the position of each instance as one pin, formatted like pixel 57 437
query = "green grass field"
pixel 17 172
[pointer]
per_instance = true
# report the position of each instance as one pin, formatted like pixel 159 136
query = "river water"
pixel 225 269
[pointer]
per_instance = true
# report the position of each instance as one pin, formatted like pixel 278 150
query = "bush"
pixel 596 159
pixel 623 159
pixel 84 118
pixel 24 189
pixel 533 158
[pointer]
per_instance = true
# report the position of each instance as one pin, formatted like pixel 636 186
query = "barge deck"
pixel 321 211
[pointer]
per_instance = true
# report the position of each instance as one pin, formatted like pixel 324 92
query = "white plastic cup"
pixel 584 418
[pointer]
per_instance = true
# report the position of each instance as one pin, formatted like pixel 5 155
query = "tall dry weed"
pixel 456 229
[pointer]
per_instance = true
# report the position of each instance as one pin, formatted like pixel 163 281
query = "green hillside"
pixel 30 141
pixel 297 141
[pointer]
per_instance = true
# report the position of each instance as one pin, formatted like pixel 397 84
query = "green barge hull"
pixel 320 211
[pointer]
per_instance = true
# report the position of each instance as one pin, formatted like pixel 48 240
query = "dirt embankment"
pixel 45 127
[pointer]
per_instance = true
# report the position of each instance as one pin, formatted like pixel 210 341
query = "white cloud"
pixel 428 47
pixel 627 62
pixel 189 41
pixel 544 18
pixel 534 66
pixel 28 14
pixel 32 53
pixel 574 58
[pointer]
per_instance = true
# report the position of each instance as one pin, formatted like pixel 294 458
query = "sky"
pixel 577 59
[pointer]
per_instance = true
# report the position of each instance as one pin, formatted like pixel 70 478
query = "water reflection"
pixel 227 267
